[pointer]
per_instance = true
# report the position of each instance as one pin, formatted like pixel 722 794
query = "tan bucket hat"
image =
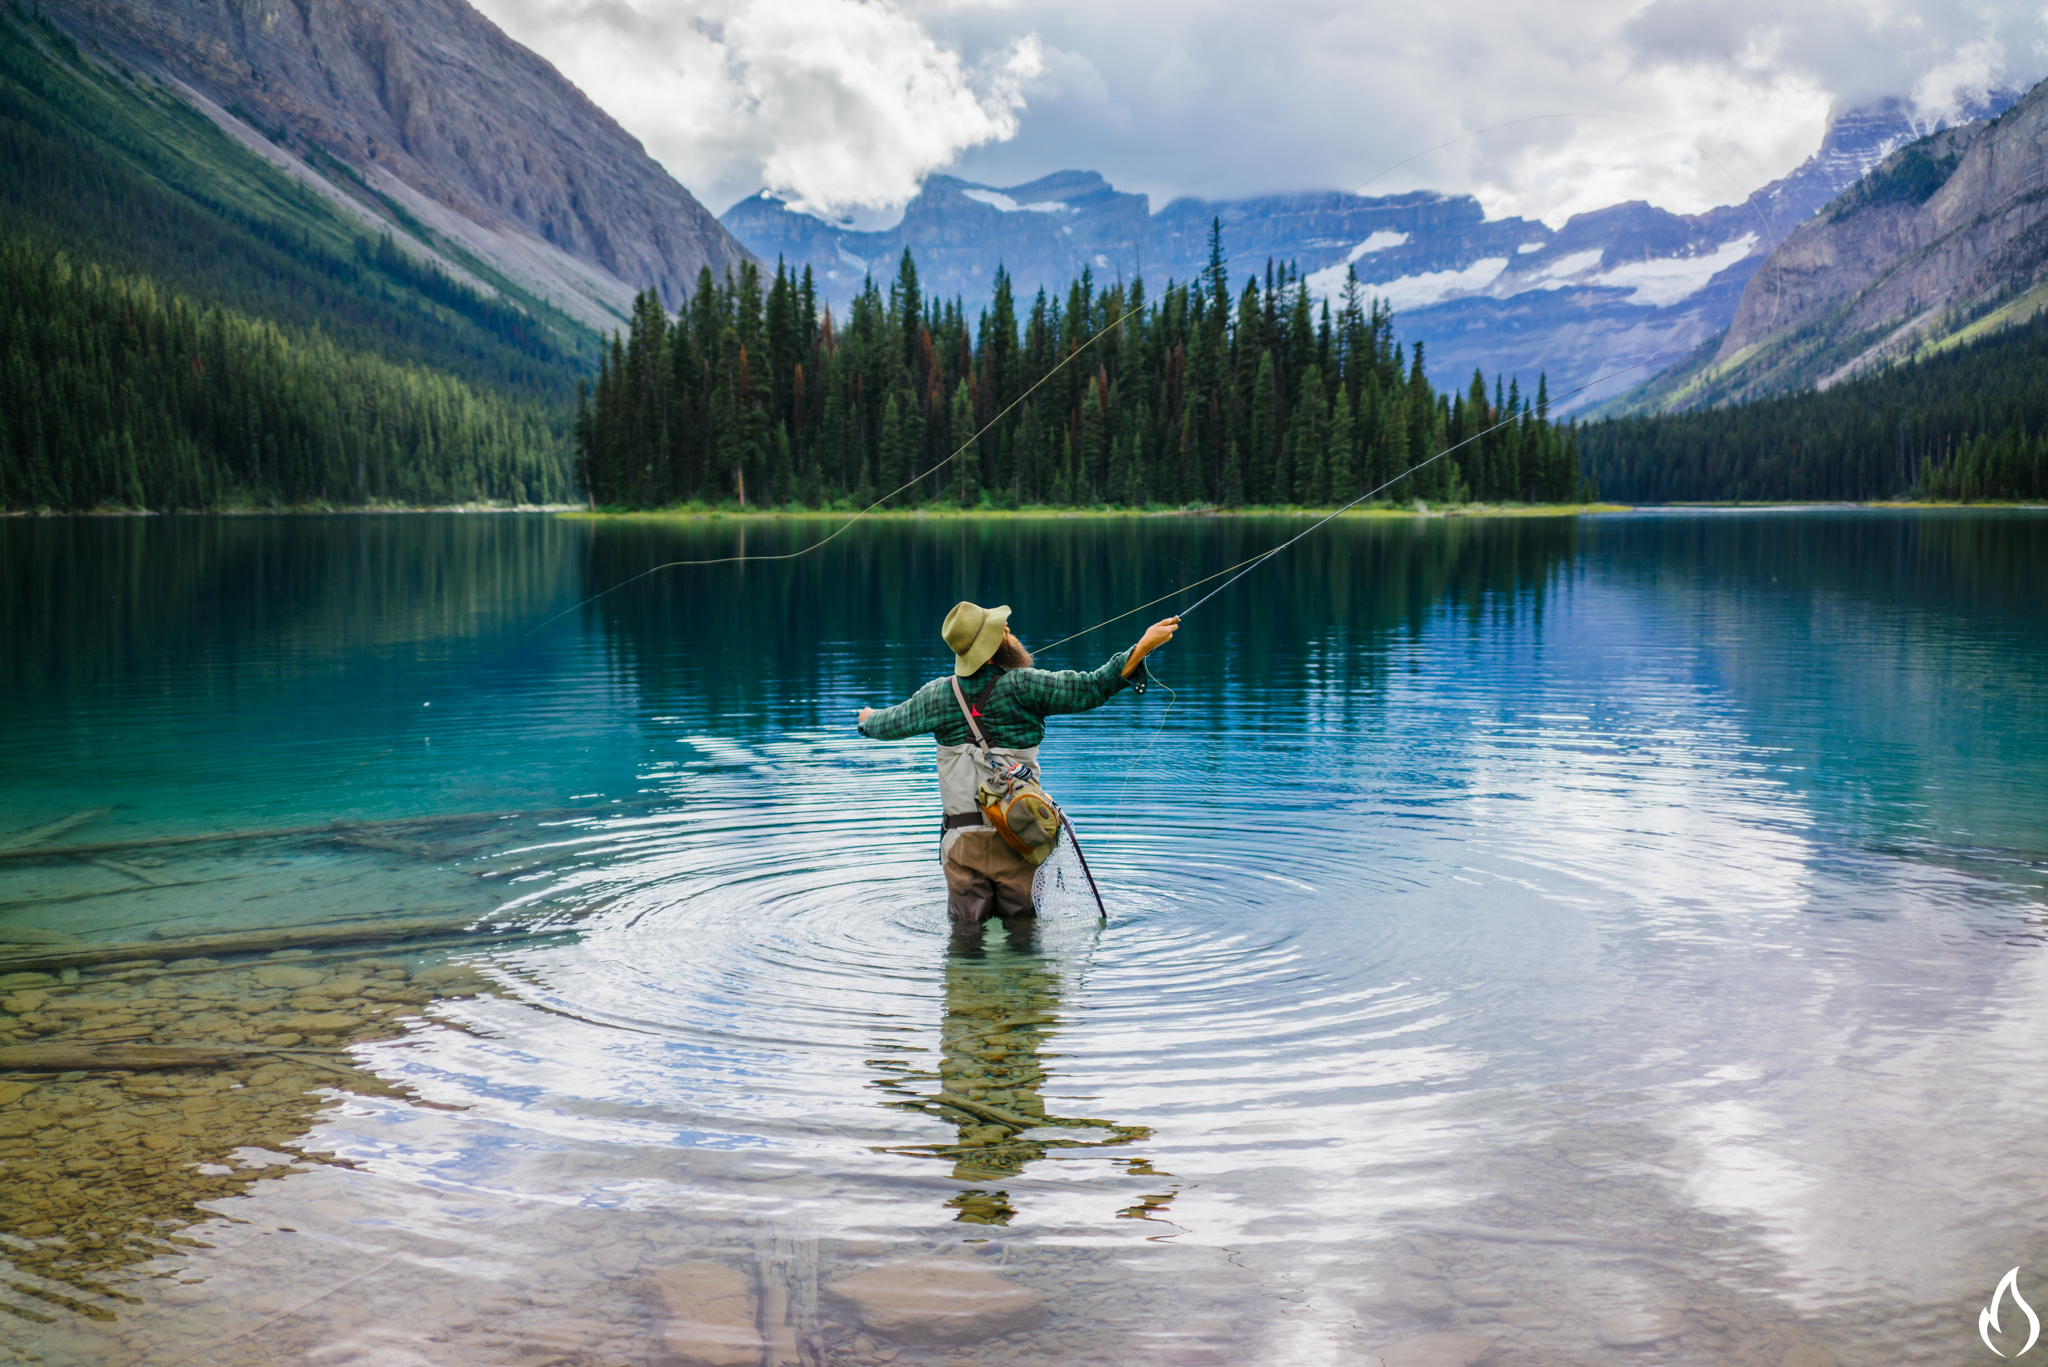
pixel 972 633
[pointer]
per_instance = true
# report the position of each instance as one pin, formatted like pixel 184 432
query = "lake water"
pixel 1529 941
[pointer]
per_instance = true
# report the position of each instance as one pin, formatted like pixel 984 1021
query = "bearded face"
pixel 1011 654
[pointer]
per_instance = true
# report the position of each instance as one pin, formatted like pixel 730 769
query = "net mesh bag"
pixel 1059 888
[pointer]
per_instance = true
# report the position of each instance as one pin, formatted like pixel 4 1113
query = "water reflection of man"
pixel 1000 1008
pixel 1011 699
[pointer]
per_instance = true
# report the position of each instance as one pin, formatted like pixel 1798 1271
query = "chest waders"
pixel 1023 813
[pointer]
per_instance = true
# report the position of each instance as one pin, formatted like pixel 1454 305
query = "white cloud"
pixel 1539 110
pixel 838 104
pixel 1546 110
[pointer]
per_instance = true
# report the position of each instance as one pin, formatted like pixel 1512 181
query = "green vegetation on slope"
pixel 1964 423
pixel 114 393
pixel 131 227
pixel 1196 398
pixel 1912 177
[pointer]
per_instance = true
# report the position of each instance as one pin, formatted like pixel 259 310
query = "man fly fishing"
pixel 989 716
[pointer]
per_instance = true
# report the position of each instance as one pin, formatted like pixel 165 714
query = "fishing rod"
pixel 1245 567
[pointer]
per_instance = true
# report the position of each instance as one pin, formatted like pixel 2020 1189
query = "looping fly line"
pixel 1244 567
pixel 1237 571
pixel 979 432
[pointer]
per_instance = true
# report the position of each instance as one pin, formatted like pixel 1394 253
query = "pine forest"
pixel 1968 424
pixel 117 394
pixel 754 397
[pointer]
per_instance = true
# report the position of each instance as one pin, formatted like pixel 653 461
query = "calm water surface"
pixel 1530 941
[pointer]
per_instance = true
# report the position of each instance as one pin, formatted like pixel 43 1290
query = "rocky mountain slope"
pixel 438 127
pixel 1608 291
pixel 1946 241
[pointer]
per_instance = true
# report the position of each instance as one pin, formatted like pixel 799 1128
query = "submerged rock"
pixel 707 1316
pixel 1436 1350
pixel 939 1300
pixel 1481 1293
pixel 1807 1355
pixel 286 975
pixel 1640 1329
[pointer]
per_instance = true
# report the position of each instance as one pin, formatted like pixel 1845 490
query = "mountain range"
pixel 1609 297
pixel 419 235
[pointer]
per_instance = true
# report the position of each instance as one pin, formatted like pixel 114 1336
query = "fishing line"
pixel 1244 567
pixel 1172 701
pixel 1068 359
pixel 743 558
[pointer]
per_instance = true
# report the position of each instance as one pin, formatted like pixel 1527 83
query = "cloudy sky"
pixel 845 105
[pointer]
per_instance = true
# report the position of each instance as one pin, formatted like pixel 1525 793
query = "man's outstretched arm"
pixel 1054 693
pixel 916 715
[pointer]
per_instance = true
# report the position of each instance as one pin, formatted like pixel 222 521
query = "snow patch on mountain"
pixel 859 263
pixel 1378 242
pixel 1413 291
pixel 1003 204
pixel 1559 273
pixel 1663 281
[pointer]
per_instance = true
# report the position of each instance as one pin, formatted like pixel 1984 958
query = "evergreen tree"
pixel 1310 431
pixel 893 475
pixel 1267 475
pixel 1091 447
pixel 967 465
pixel 1343 476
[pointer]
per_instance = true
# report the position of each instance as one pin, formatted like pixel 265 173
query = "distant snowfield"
pixel 1378 242
pixel 1411 291
pixel 1559 273
pixel 1002 203
pixel 1329 282
pixel 1656 283
pixel 1668 279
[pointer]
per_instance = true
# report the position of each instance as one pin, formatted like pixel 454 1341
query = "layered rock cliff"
pixel 466 131
pixel 1947 237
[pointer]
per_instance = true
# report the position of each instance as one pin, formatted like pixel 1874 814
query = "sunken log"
pixel 47 959
pixel 102 1058
pixel 329 828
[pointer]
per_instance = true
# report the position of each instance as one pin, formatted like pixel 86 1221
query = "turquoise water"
pixel 1557 941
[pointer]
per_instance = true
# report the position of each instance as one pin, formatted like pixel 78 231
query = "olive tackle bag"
pixel 1023 813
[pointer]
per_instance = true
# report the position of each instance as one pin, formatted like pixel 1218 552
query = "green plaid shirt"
pixel 1012 715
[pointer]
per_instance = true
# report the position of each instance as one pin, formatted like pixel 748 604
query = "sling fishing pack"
pixel 1023 813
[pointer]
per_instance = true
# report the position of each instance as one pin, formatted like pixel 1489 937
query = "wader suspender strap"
pixel 975 817
pixel 968 712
